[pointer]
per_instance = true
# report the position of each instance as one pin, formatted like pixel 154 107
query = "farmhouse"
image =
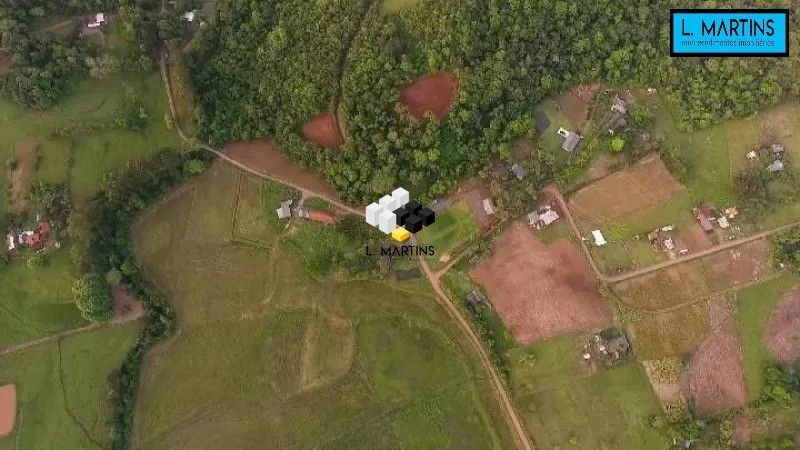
pixel 285 210
pixel 619 115
pixel 776 166
pixel 519 171
pixel 543 217
pixel 599 239
pixel 571 139
pixel 661 239
pixel 474 298
pixel 705 216
pixel 778 149
pixel 30 238
pixel 96 20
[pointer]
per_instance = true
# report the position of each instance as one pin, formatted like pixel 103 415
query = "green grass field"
pixel 292 361
pixel 37 303
pixel 754 305
pixel 563 406
pixel 453 228
pixel 73 414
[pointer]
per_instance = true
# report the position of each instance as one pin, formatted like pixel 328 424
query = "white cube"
pixel 401 195
pixel 373 211
pixel 389 203
pixel 387 222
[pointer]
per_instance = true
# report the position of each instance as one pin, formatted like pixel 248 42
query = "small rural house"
pixel 752 154
pixel 285 210
pixel 519 171
pixel 571 139
pixel 599 239
pixel 96 20
pixel 776 166
pixel 30 238
pixel 705 216
pixel 619 115
pixel 778 149
pixel 488 206
pixel 474 298
pixel 188 16
pixel 543 217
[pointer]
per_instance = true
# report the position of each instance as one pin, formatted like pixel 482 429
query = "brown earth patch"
pixel 575 103
pixel 522 147
pixel 434 93
pixel 8 409
pixel 782 335
pixel 540 291
pixel 645 185
pixel 474 196
pixel 715 374
pixel 749 261
pixel 5 62
pixel 20 176
pixel 126 307
pixel 742 431
pixel 695 239
pixel 324 131
pixel 602 167
pixel 264 157
pixel 776 124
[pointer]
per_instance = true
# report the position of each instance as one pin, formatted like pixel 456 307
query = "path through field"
pixel 513 421
pixel 46 339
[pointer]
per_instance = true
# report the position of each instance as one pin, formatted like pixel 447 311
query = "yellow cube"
pixel 400 234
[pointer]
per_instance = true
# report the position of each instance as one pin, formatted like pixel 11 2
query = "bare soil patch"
pixel 20 176
pixel 715 374
pixel 522 147
pixel 645 185
pixel 776 124
pixel 324 131
pixel 434 93
pixel 541 291
pixel 474 196
pixel 575 103
pixel 5 62
pixel 264 157
pixel 782 335
pixel 749 261
pixel 695 239
pixel 8 409
pixel 126 307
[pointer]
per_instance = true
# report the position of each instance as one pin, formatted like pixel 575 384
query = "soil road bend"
pixel 513 421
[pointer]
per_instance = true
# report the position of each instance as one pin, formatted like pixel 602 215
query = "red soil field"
pixel 715 374
pixel 323 130
pixel 321 216
pixel 8 409
pixel 264 157
pixel 541 291
pixel 434 93
pixel 782 335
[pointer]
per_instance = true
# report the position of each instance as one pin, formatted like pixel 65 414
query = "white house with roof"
pixel 599 239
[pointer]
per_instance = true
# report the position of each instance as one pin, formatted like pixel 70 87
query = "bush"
pixel 36 262
pixel 92 298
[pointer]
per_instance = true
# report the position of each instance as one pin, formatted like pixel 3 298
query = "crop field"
pixel 268 354
pixel 754 305
pixel 697 278
pixel 62 389
pixel 563 406
pixel 670 333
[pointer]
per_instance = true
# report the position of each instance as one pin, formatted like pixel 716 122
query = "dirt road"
pixel 552 190
pixel 46 339
pixel 513 421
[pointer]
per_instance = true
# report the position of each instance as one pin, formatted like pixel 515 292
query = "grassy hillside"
pixel 62 390
pixel 267 354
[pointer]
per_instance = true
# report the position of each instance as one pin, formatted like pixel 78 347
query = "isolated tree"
pixel 92 298
pixel 101 66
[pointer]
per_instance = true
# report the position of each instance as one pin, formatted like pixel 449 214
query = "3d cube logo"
pixel 399 216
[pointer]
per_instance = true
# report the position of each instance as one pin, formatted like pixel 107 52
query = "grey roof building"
pixel 571 139
pixel 519 171
pixel 776 166
pixel 285 211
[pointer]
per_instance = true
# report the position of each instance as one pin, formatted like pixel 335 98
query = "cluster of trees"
pixel 44 65
pixel 102 245
pixel 759 192
pixel 264 68
pixel 786 248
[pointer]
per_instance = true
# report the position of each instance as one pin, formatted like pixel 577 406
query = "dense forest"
pixel 265 67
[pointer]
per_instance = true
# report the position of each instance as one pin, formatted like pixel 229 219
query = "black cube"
pixel 402 214
pixel 427 215
pixel 413 206
pixel 413 224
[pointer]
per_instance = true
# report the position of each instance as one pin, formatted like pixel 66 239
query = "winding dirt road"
pixel 510 415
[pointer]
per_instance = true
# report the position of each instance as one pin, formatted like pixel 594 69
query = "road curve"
pixel 512 420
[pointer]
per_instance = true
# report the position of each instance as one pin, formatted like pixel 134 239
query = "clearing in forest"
pixel 541 291
pixel 5 62
pixel 576 102
pixel 645 185
pixel 265 158
pixel 8 409
pixel 434 93
pixel 782 335
pixel 324 131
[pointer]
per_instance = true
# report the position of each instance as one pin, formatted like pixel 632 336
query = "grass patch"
pixel 753 306
pixel 86 361
pixel 253 345
pixel 37 303
pixel 393 6
pixel 453 228
pixel 673 333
